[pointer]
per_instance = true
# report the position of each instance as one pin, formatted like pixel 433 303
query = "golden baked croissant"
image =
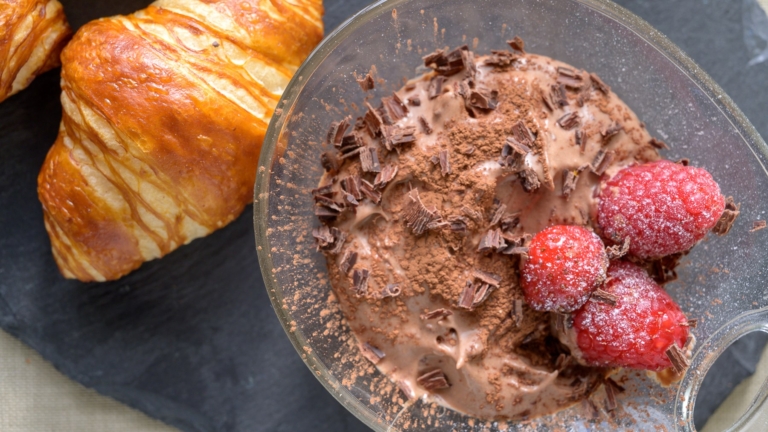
pixel 164 113
pixel 33 34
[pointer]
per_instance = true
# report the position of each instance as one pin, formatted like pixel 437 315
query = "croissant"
pixel 34 32
pixel 164 113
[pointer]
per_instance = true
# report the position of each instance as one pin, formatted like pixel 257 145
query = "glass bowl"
pixel 720 283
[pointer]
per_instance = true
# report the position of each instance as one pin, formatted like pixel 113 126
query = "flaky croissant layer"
pixel 33 34
pixel 164 113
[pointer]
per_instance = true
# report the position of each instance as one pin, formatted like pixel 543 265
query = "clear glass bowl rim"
pixel 608 8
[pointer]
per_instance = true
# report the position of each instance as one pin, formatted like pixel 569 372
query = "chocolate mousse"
pixel 428 203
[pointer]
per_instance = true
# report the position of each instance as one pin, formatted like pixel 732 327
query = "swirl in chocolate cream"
pixel 428 203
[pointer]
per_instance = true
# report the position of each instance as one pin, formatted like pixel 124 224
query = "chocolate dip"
pixel 428 202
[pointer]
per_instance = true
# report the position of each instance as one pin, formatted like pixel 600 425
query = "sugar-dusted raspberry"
pixel 638 330
pixel 565 265
pixel 662 207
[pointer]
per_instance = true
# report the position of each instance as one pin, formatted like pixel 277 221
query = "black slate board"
pixel 192 339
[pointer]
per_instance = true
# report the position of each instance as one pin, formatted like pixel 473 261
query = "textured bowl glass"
pixel 720 282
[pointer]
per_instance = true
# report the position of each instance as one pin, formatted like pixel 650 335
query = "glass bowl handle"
pixel 756 416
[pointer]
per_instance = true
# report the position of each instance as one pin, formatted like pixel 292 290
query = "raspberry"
pixel 662 207
pixel 565 264
pixel 638 330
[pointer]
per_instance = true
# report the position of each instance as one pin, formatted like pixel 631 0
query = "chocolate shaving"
pixel 481 100
pixel 451 63
pixel 610 133
pixel 663 269
pixel 467 296
pixel 569 78
pixel 580 139
pixel 516 250
pixel 394 108
pixel 569 121
pixel 604 297
pixel 530 180
pixel 391 290
pixel 323 236
pixel 610 397
pixel 599 84
pixel 445 163
pixel 468 60
pixel 351 185
pixel 658 144
pixel 603 159
pixel 458 223
pixel 512 153
pixel 605 163
pixel 326 191
pixel 395 137
pixel 371 353
pixel 557 95
pixel 360 282
pixel 436 314
pixel 500 59
pixel 348 260
pixel 728 218
pixel 327 213
pixel 351 144
pixel 386 175
pixel 516 240
pixel 437 224
pixel 351 199
pixel 569 182
pixel 475 294
pixel 517 44
pixel 435 87
pixel 486 277
pixel 330 162
pixel 498 213
pixel 373 120
pixel 547 102
pixel 617 251
pixel 758 225
pixel 414 101
pixel 472 213
pixel 517 313
pixel 418 217
pixel 482 292
pixel 433 58
pixel 692 323
pixel 337 131
pixel 492 241
pixel 433 380
pixel 523 135
pixel 370 191
pixel 366 82
pixel 509 222
pixel 678 358
pixel 425 125
pixel 683 161
pixel 369 160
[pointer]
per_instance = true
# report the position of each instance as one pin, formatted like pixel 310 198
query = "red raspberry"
pixel 662 207
pixel 638 330
pixel 565 264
